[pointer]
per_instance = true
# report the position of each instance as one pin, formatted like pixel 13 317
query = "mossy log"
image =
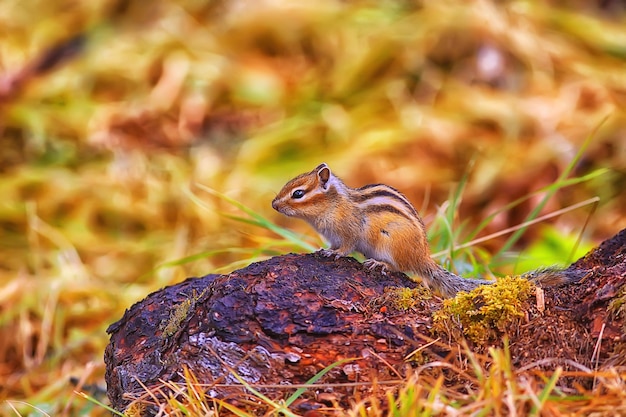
pixel 281 321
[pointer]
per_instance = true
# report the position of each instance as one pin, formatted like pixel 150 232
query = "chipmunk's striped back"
pixel 376 198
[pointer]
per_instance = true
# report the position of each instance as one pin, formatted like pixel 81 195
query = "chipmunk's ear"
pixel 320 166
pixel 323 173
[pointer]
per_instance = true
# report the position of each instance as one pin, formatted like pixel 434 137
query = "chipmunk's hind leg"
pixel 372 264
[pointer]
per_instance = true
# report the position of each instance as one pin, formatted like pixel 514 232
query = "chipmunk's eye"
pixel 297 194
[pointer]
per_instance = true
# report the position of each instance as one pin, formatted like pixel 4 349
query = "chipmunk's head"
pixel 308 195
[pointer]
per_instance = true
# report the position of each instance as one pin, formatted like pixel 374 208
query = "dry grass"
pixel 466 384
pixel 100 155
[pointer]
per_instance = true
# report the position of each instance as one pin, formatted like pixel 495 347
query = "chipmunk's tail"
pixel 447 284
pixel 553 276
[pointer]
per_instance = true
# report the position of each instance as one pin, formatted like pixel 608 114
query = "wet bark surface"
pixel 281 321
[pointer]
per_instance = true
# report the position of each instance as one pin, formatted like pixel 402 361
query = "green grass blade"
pixel 316 378
pixel 546 391
pixel 255 218
pixel 566 183
pixel 552 189
pixel 256 392
pixel 98 403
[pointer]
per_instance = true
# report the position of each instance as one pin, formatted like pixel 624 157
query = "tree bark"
pixel 281 321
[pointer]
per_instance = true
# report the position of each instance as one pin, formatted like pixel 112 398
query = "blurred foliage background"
pixel 112 111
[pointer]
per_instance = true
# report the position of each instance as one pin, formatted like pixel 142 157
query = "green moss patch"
pixel 484 313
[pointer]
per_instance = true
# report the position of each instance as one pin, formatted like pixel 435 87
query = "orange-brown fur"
pixel 380 222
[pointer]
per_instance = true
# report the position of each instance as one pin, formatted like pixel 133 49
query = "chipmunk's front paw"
pixel 372 264
pixel 330 253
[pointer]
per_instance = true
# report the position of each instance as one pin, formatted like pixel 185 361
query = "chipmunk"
pixel 379 221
